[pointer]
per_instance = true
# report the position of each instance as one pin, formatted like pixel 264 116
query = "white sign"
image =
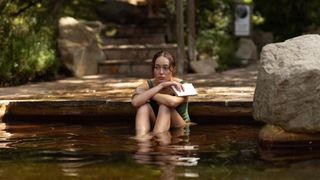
pixel 242 26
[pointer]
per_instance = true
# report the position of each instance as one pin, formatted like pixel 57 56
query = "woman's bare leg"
pixel 176 119
pixel 163 120
pixel 143 117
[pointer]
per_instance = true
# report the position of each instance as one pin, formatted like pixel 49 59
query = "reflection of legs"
pixel 164 138
pixel 143 117
pixel 163 119
pixel 177 135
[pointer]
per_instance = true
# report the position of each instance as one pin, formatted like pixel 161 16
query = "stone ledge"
pixel 109 108
pixel 139 46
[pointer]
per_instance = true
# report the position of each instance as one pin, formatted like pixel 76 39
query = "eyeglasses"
pixel 165 69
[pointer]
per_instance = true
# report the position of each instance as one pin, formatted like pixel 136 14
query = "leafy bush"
pixel 27 43
pixel 287 18
pixel 214 23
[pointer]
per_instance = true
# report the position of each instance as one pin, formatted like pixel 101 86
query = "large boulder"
pixel 277 144
pixel 78 46
pixel 288 85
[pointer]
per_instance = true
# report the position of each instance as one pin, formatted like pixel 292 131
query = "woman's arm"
pixel 163 97
pixel 169 100
pixel 143 94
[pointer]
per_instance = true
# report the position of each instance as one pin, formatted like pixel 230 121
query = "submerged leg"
pixel 143 117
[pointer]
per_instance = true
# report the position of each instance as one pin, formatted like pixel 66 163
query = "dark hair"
pixel 168 55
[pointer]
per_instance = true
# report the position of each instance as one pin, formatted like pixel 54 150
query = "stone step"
pixel 136 51
pixel 128 67
pixel 142 39
pixel 134 30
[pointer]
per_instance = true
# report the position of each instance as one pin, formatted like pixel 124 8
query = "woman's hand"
pixel 169 84
pixel 166 90
pixel 166 95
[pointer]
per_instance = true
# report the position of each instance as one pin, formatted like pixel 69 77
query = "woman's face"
pixel 162 71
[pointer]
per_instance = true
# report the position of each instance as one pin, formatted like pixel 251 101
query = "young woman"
pixel 155 101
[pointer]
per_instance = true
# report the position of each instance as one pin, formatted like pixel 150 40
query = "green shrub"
pixel 28 45
pixel 214 23
pixel 287 18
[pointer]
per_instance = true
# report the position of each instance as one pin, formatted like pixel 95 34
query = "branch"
pixel 31 3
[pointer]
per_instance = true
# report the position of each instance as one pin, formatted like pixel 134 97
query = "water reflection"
pixel 167 148
pixel 69 148
pixel 4 136
pixel 48 150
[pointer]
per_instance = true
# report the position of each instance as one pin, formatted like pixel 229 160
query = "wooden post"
pixel 191 31
pixel 180 36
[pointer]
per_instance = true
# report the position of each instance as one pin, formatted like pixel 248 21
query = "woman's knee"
pixel 143 109
pixel 165 108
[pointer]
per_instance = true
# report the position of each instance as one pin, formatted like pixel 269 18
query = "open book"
pixel 188 90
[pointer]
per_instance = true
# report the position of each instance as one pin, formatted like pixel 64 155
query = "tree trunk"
pixel 56 6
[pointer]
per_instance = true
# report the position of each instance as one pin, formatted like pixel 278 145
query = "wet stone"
pixel 277 144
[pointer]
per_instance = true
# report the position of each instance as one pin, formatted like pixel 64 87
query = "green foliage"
pixel 215 31
pixel 81 9
pixel 214 23
pixel 219 45
pixel 287 18
pixel 27 43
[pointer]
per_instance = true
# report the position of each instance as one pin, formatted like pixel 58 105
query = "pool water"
pixel 97 150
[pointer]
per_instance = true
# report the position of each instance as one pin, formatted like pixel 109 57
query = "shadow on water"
pixel 90 149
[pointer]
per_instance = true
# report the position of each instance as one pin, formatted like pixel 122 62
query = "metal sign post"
pixel 242 24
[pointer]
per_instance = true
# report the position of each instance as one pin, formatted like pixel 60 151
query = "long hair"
pixel 166 54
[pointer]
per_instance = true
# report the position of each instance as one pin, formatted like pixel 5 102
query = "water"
pixel 96 150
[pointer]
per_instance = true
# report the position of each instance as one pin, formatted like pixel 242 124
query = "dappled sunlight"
pixel 139 46
pixel 103 94
pixel 125 85
pixel 233 84
pixel 75 81
pixel 98 76
pixel 232 78
pixel 223 93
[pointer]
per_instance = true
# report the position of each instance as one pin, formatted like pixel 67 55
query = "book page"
pixel 188 90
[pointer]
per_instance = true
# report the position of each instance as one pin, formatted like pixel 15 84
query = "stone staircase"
pixel 129 52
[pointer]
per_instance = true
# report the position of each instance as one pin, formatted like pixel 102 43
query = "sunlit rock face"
pixel 78 46
pixel 288 85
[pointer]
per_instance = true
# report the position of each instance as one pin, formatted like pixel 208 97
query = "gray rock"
pixel 261 39
pixel 276 144
pixel 247 51
pixel 206 66
pixel 288 85
pixel 78 46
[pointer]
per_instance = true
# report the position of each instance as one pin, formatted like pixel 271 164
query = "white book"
pixel 188 90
